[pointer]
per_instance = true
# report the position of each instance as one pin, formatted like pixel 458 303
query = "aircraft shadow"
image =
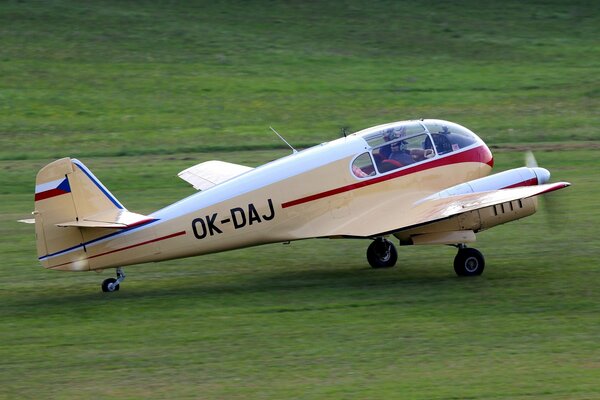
pixel 403 281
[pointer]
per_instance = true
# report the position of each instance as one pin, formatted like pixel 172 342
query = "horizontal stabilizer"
pixel 119 219
pixel 210 173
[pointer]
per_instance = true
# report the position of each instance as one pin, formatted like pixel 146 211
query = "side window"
pixel 443 144
pixel 403 151
pixel 362 166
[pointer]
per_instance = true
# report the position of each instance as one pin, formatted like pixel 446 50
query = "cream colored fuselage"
pixel 309 194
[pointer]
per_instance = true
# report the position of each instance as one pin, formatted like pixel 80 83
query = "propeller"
pixel 550 204
pixel 530 161
pixel 543 175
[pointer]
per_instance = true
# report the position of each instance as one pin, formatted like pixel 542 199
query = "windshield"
pixel 403 143
pixel 396 131
pixel 449 137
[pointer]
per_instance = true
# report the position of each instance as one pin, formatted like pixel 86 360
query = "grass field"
pixel 141 90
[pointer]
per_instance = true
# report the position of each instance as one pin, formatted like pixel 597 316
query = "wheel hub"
pixel 471 264
pixel 384 253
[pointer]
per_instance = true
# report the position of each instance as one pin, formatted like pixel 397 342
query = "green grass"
pixel 310 319
pixel 125 78
pixel 141 90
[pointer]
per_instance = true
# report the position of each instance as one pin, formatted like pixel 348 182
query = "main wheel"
pixel 382 254
pixel 469 262
pixel 108 285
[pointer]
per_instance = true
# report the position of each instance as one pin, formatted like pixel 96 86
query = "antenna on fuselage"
pixel 285 141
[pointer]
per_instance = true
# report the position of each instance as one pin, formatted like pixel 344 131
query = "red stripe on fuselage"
pixel 479 154
pixel 139 244
pixel 127 247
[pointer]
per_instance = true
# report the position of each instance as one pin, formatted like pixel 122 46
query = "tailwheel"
pixel 382 254
pixel 112 284
pixel 469 262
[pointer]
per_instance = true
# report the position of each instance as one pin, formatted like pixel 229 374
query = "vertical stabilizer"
pixel 66 191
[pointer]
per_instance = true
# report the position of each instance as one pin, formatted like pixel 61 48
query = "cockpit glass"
pixel 362 166
pixel 400 144
pixel 390 132
pixel 449 137
pixel 402 151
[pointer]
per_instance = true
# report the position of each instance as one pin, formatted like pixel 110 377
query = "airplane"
pixel 422 182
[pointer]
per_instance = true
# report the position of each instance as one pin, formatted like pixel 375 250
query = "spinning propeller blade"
pixel 530 161
pixel 550 204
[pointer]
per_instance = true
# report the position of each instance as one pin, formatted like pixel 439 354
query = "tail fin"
pixel 68 200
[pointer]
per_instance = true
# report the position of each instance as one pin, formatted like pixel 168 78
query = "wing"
pixel 210 173
pixel 388 220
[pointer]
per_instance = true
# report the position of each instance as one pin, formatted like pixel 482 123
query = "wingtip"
pixel 556 186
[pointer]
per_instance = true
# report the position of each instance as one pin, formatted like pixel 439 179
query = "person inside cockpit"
pixel 400 153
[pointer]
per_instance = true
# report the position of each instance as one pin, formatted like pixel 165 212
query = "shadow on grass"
pixel 260 292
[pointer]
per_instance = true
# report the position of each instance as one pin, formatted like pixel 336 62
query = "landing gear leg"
pixel 468 262
pixel 112 284
pixel 382 253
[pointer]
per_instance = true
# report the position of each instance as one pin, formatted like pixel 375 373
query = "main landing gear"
pixel 468 261
pixel 112 284
pixel 381 253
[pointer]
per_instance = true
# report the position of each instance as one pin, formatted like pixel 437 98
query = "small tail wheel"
pixel 469 262
pixel 382 254
pixel 110 285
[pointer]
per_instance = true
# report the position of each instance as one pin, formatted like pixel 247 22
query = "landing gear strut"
pixel 382 253
pixel 112 284
pixel 468 262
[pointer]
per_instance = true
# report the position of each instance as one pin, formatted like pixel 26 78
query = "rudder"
pixel 67 192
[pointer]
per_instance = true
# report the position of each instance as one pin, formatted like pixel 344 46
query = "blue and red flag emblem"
pixel 52 189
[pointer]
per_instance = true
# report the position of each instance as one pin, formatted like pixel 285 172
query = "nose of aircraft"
pixel 543 175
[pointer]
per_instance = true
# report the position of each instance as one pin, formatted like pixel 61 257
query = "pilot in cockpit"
pixel 400 153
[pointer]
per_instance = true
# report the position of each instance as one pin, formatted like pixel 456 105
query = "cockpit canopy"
pixel 396 145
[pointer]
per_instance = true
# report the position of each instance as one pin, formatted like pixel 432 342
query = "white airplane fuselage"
pixel 312 193
pixel 424 182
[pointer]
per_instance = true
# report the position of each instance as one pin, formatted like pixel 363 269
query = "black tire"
pixel 469 262
pixel 108 281
pixel 382 254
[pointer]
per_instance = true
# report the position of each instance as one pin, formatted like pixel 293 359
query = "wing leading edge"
pixel 389 220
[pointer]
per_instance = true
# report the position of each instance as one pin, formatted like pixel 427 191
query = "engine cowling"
pixel 512 178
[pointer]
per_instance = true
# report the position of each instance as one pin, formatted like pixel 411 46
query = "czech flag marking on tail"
pixel 52 189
